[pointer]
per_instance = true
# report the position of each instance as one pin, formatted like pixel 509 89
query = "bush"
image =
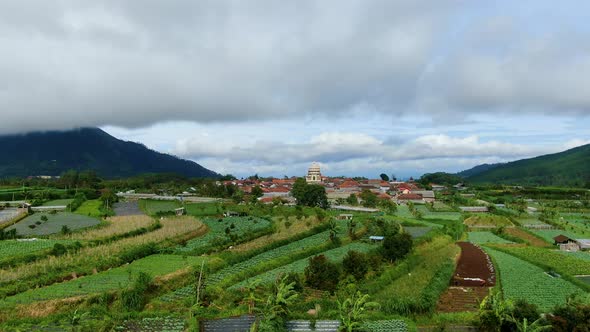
pixel 44 218
pixel 322 274
pixel 132 254
pixel 135 298
pixel 356 264
pixel 397 246
pixel 65 230
pixel 58 249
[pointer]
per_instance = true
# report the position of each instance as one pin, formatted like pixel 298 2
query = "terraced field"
pixel 118 278
pixel 242 228
pixel 549 234
pixel 58 202
pixel 487 220
pixel 522 234
pixel 523 280
pixel 90 208
pixel 33 225
pixel 334 255
pixel 18 248
pixel 151 207
pixel 485 237
pixel 555 259
pixel 233 271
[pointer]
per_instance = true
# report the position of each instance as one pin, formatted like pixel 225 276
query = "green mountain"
pixel 52 153
pixel 568 168
pixel 477 170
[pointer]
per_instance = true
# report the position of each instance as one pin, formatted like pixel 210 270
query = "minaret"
pixel 313 174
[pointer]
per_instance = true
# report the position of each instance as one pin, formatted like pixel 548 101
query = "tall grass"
pixel 117 226
pixel 102 257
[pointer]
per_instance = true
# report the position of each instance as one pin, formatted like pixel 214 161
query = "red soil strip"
pixel 475 266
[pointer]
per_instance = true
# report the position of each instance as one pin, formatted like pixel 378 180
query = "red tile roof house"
pixel 404 198
pixel 276 192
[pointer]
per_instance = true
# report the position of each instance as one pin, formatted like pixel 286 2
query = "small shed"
pixel 562 239
pixel 376 238
pixel 570 246
pixel 180 211
pixel 583 243
pixel 231 214
pixel 345 216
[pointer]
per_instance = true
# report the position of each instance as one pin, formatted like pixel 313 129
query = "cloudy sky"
pixel 363 87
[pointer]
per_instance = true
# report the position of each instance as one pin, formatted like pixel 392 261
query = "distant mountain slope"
pixel 477 169
pixel 52 153
pixel 568 168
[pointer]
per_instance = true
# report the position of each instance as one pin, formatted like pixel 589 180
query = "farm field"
pixel 417 232
pixel 523 280
pixel 17 248
pixel 485 237
pixel 549 234
pixel 90 208
pixel 221 229
pixel 8 215
pixel 447 215
pixel 487 220
pixel 105 255
pixel 531 239
pixel 151 207
pixel 235 270
pixel 116 226
pixel 54 223
pixel 117 278
pixel 58 202
pixel 579 254
pixel 334 255
pixel 529 220
pixel 554 259
pixel 420 280
pixel 203 209
pixel 131 208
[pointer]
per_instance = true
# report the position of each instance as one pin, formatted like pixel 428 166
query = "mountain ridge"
pixel 566 168
pixel 54 152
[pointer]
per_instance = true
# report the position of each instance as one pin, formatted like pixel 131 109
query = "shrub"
pixel 44 218
pixel 356 264
pixel 322 274
pixel 134 253
pixel 135 298
pixel 65 230
pixel 58 249
pixel 397 246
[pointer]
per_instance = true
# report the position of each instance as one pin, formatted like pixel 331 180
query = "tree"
pixel 397 246
pixel 257 192
pixel 298 189
pixel 388 205
pixel 322 274
pixel 356 264
pixel 352 310
pixel 369 199
pixel 333 228
pixel 352 200
pixel 384 177
pixel 315 196
pixel 276 310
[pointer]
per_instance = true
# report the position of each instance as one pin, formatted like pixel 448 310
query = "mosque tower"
pixel 313 174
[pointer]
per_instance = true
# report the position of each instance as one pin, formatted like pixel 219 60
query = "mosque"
pixel 313 174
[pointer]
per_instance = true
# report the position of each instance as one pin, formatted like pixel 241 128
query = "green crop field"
pixel 554 259
pixel 403 211
pixel 16 248
pixel 549 234
pixel 487 220
pixel 417 232
pixel 243 227
pixel 584 255
pixel 117 278
pixel 523 280
pixel 485 237
pixel 284 251
pixel 90 208
pixel 151 207
pixel 58 202
pixel 386 326
pixel 334 255
pixel 53 224
pixel 203 209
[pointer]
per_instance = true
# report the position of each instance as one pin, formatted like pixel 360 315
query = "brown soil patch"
pixel 461 299
pixel 473 263
pixel 533 240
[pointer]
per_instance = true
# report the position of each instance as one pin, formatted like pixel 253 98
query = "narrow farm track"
pixel 471 282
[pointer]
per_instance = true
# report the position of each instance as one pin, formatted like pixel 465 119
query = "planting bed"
pixel 8 215
pixel 474 263
pixel 152 207
pixel 155 324
pixel 386 326
pixel 553 259
pixel 487 220
pixel 531 239
pixel 117 278
pixel 16 248
pixel 90 208
pixel 124 209
pixel 58 202
pixel 485 237
pixel 54 223
pixel 334 255
pixel 243 228
pixel 549 234
pixel 417 232
pixel 523 280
